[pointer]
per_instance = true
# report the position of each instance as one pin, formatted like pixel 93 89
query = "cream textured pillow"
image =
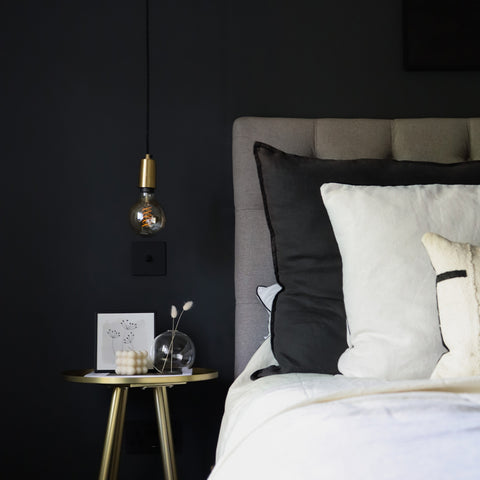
pixel 388 280
pixel 458 280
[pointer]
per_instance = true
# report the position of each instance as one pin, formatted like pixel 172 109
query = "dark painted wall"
pixel 72 136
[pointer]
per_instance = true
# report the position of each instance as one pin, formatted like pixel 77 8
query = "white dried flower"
pixel 173 311
pixel 187 305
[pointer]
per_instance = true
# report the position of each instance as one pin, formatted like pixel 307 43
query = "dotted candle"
pixel 131 362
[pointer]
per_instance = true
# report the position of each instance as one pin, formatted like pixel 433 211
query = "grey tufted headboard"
pixel 445 140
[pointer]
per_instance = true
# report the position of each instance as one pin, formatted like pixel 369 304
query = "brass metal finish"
pixel 113 436
pixel 165 433
pixel 198 375
pixel 115 460
pixel 147 177
pixel 114 432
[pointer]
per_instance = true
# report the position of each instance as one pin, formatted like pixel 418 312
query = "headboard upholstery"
pixel 445 140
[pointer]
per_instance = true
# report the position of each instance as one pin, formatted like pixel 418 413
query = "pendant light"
pixel 146 215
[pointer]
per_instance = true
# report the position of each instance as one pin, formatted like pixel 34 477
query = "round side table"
pixel 121 384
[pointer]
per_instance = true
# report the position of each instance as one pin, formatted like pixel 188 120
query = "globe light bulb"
pixel 146 215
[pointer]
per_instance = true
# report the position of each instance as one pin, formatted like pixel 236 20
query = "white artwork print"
pixel 122 331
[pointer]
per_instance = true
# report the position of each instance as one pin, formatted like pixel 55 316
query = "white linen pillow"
pixel 267 295
pixel 388 281
pixel 457 266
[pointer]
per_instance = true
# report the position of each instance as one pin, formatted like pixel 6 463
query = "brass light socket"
pixel 147 175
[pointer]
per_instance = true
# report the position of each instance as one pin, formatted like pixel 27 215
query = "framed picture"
pixel 121 331
pixel 441 34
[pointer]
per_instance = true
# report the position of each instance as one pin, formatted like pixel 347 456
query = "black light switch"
pixel 149 258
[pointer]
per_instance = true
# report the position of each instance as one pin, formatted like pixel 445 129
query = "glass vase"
pixel 172 352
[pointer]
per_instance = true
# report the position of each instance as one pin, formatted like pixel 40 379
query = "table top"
pixel 148 380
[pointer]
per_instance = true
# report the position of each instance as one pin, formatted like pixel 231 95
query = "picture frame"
pixel 121 331
pixel 441 35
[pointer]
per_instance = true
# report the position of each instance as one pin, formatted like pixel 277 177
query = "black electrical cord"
pixel 147 75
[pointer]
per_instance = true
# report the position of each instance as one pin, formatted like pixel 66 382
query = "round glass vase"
pixel 172 351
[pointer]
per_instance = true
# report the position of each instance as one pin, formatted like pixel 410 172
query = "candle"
pixel 131 362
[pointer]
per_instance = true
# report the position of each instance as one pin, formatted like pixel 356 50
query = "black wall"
pixel 73 127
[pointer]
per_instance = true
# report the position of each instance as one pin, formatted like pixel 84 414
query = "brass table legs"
pixel 113 436
pixel 165 433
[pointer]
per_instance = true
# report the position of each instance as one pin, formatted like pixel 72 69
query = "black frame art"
pixel 441 34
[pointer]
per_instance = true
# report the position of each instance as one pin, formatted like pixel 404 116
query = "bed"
pixel 357 338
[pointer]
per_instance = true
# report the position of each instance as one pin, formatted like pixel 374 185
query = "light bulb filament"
pixel 147 216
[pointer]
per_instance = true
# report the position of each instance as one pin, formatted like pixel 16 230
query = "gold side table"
pixel 116 417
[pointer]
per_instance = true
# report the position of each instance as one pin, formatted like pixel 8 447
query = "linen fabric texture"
pixel 294 426
pixel 266 296
pixel 388 282
pixel 308 320
pixel 457 266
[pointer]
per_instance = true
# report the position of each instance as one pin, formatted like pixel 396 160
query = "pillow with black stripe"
pixel 308 321
pixel 457 266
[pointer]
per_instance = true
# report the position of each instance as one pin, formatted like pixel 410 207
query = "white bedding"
pixel 311 426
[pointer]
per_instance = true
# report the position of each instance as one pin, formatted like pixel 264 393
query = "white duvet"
pixel 311 426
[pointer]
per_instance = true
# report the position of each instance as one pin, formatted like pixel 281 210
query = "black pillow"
pixel 308 321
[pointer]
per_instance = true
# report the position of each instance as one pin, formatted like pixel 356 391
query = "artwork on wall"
pixel 441 34
pixel 121 331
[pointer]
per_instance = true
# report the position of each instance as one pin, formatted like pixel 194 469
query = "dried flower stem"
pixel 173 313
pixel 170 348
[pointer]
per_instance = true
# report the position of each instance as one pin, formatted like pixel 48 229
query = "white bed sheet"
pixel 311 426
